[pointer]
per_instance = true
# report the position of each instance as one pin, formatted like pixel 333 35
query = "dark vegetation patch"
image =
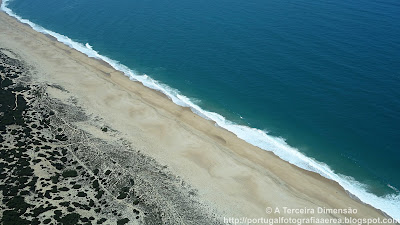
pixel 70 219
pixel 122 221
pixel 70 173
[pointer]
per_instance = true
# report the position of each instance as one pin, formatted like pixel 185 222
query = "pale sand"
pixel 231 176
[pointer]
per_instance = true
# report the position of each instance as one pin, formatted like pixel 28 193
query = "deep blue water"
pixel 324 75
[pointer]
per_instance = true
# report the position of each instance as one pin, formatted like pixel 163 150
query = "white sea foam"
pixel 389 204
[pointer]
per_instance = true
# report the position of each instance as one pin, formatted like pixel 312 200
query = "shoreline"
pixel 281 175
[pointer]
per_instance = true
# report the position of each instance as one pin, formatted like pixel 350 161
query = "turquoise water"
pixel 321 77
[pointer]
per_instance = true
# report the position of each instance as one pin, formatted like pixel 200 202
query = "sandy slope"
pixel 231 176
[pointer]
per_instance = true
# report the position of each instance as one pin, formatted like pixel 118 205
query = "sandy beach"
pixel 225 176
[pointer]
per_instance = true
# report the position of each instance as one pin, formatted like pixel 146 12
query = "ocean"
pixel 315 82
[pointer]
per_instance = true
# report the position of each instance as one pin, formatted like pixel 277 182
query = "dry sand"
pixel 231 176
